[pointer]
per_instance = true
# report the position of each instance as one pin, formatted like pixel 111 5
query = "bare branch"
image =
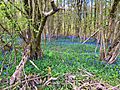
pixel 54 9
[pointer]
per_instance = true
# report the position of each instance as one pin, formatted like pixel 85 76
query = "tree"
pixel 113 50
pixel 37 17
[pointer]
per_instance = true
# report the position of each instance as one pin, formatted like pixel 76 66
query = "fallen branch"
pixel 88 73
pixel 11 86
pixel 16 75
pixel 34 64
pixel 91 36
pixel 2 67
pixel 50 79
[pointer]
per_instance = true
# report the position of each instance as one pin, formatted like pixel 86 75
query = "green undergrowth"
pixel 69 58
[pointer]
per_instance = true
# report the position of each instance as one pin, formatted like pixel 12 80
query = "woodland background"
pixel 60 44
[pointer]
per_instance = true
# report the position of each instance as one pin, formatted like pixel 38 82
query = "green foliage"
pixel 69 58
pixel 61 58
pixel 12 18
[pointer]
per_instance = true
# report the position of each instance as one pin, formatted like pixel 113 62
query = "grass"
pixel 64 56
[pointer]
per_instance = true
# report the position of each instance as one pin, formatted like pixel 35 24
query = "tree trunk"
pixel 33 48
pixel 113 50
pixel 35 39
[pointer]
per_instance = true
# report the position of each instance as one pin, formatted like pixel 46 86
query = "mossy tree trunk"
pixel 36 13
pixel 32 48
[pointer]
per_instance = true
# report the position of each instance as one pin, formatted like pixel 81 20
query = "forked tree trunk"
pixel 113 50
pixel 33 45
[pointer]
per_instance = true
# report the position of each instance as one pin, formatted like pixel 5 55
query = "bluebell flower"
pixel 3 53
pixel 87 59
pixel 118 64
pixel 118 71
pixel 95 62
pixel 91 63
pixel 113 66
pixel 70 63
pixel 5 66
pixel 103 63
pixel 0 62
pixel 73 59
pixel 5 73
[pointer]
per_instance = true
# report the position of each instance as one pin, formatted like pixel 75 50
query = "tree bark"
pixel 113 50
pixel 33 47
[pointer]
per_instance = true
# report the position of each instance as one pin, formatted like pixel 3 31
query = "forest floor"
pixel 75 65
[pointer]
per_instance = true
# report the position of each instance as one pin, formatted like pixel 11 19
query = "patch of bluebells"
pixel 71 37
pixel 5 73
pixel 66 41
pixel 62 40
pixel 91 61
pixel 19 40
pixel 0 62
pixel 117 61
pixel 69 52
pixel 118 70
pixel 95 62
pixel 103 63
pixel 6 52
pixel 118 64
pixel 113 66
pixel 71 61
pixel 88 59
pixel 5 67
pixel 91 43
pixel 67 61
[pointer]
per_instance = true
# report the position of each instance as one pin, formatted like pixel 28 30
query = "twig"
pixel 25 77
pixel 2 67
pixel 18 83
pixel 34 64
pixel 11 86
pixel 73 85
pixel 88 73
pixel 50 79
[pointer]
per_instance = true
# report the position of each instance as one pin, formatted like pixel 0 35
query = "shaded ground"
pixel 66 55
